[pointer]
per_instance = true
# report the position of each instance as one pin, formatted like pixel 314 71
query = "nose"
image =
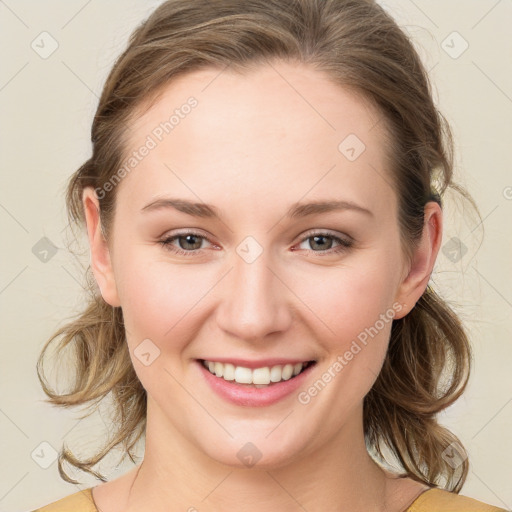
pixel 254 300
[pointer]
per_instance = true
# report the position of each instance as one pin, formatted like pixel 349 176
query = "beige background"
pixel 47 107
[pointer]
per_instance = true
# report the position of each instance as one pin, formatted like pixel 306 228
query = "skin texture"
pixel 252 147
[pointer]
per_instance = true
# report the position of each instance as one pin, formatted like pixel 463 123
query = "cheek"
pixel 166 301
pixel 347 300
pixel 161 304
pixel 353 311
pixel 161 301
pixel 355 354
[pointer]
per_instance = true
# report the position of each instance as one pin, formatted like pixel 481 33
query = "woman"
pixel 263 208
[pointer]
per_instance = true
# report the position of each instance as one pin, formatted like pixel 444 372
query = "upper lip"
pixel 259 363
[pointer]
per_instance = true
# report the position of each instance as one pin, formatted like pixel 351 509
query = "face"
pixel 256 281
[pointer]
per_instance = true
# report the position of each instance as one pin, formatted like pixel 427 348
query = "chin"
pixel 259 453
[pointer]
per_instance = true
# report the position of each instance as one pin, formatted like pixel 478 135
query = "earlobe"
pixel 423 259
pixel 101 264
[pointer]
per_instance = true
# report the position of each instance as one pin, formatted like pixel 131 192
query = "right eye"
pixel 190 247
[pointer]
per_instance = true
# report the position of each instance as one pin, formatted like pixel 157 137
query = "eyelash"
pixel 343 243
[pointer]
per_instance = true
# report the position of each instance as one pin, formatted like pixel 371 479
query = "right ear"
pixel 99 252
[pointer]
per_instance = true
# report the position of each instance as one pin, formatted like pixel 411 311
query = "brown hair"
pixel 359 46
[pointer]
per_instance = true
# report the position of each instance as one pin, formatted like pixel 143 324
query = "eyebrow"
pixel 296 210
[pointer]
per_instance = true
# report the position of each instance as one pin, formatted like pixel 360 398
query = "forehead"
pixel 277 130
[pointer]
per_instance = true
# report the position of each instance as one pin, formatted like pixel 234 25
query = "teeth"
pixel 242 375
pixel 287 371
pixel 229 371
pixel 275 373
pixel 259 377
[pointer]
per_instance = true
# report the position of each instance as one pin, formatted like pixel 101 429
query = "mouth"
pixel 259 377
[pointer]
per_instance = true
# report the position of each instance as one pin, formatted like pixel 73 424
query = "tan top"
pixel 432 500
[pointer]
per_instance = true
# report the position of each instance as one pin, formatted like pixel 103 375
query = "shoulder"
pixel 439 500
pixel 80 501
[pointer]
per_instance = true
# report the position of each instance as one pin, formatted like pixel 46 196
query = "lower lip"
pixel 239 394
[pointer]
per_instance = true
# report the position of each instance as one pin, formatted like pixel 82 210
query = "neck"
pixel 340 476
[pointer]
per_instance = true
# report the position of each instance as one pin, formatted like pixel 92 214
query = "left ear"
pixel 423 258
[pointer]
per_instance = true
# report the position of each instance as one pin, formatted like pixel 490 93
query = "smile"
pixel 255 377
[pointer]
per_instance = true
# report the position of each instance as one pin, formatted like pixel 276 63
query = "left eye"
pixel 318 240
pixel 190 243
